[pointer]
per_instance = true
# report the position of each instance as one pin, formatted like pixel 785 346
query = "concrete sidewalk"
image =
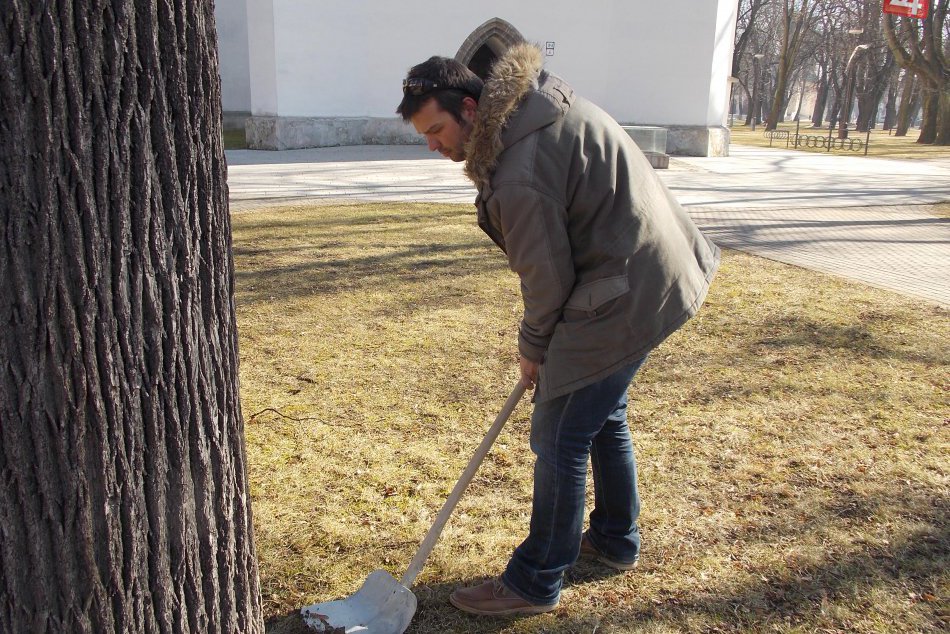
pixel 863 218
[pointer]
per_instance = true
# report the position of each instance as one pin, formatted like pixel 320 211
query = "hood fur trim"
pixel 513 76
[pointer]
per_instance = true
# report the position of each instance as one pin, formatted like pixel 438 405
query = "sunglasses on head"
pixel 418 86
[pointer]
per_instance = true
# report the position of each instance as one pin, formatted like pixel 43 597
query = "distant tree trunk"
pixel 890 107
pixel 801 99
pixel 836 111
pixel 928 121
pixel 749 98
pixel 872 91
pixel 943 118
pixel 797 20
pixel 821 100
pixel 124 501
pixel 919 47
pixel 910 97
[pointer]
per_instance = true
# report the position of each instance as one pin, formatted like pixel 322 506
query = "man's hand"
pixel 529 373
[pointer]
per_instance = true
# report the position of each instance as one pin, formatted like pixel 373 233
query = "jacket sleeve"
pixel 535 233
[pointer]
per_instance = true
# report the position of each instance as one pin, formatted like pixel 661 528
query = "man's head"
pixel 439 98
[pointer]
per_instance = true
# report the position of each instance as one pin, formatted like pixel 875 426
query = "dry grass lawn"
pixel 792 439
pixel 882 144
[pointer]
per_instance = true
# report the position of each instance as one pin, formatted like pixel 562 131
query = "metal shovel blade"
pixel 381 606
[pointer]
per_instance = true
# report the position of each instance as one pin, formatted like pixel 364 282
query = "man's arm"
pixel 539 251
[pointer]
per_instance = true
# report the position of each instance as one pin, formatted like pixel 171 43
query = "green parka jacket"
pixel 610 264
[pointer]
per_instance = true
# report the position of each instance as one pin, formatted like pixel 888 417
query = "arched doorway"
pixel 486 44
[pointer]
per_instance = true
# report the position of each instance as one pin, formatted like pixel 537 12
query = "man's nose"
pixel 433 143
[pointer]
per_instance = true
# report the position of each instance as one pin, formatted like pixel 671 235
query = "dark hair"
pixel 455 82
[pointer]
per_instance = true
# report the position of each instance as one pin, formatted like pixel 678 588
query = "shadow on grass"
pixel 322 219
pixel 801 597
pixel 302 255
pixel 857 338
pixel 909 566
pixel 417 263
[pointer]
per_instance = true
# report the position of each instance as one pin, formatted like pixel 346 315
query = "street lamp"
pixel 849 72
pixel 756 97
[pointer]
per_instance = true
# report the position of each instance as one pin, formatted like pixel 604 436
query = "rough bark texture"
pixel 909 104
pixel 890 107
pixel 123 495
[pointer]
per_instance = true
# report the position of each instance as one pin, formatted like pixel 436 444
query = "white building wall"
pixel 643 61
pixel 230 16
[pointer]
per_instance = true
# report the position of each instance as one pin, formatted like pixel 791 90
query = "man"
pixel 610 265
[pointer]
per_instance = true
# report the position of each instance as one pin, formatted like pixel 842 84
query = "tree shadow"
pixel 917 561
pixel 799 597
pixel 856 339
pixel 269 268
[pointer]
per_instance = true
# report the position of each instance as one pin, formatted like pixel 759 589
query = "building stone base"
pixel 685 140
pixel 292 133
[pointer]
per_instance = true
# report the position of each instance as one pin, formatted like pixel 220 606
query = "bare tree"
pixel 876 63
pixel 746 30
pixel 797 20
pixel 918 46
pixel 909 103
pixel 124 502
pixel 890 107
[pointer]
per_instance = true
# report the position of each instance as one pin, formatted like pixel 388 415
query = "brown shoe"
pixel 493 598
pixel 589 550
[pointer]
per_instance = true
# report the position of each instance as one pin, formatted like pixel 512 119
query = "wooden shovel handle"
pixel 428 543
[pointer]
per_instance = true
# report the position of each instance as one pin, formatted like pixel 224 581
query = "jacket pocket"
pixel 591 299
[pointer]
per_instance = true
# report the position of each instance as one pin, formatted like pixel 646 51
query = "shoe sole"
pixel 614 564
pixel 534 609
pixel 588 550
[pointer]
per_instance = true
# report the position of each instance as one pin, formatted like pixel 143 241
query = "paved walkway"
pixel 863 218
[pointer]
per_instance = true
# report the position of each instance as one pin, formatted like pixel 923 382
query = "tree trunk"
pixel 801 99
pixel 749 99
pixel 821 102
pixel 777 107
pixel 872 91
pixel 834 109
pixel 890 107
pixel 943 118
pixel 910 95
pixel 124 501
pixel 928 122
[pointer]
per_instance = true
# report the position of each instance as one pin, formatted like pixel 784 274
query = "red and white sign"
pixel 907 8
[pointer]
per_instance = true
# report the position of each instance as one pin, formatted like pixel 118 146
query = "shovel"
pixel 384 605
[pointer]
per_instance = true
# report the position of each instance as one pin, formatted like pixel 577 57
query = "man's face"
pixel 443 133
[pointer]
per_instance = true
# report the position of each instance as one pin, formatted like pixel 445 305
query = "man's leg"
pixel 562 431
pixel 613 522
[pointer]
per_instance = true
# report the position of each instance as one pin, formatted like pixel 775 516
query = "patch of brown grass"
pixel 882 143
pixel 792 438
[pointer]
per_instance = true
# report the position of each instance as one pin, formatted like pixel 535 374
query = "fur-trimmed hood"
pixel 513 77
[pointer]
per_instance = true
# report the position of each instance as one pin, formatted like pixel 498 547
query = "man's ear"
pixel 469 106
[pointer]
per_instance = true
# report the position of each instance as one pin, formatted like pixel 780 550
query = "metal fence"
pixel 827 142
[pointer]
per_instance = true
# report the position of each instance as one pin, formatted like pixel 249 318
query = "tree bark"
pixel 124 501
pixel 890 107
pixel 928 121
pixel 870 94
pixel 943 118
pixel 910 95
pixel 821 100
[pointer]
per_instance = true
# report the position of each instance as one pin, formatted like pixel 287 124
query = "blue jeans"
pixel 564 431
